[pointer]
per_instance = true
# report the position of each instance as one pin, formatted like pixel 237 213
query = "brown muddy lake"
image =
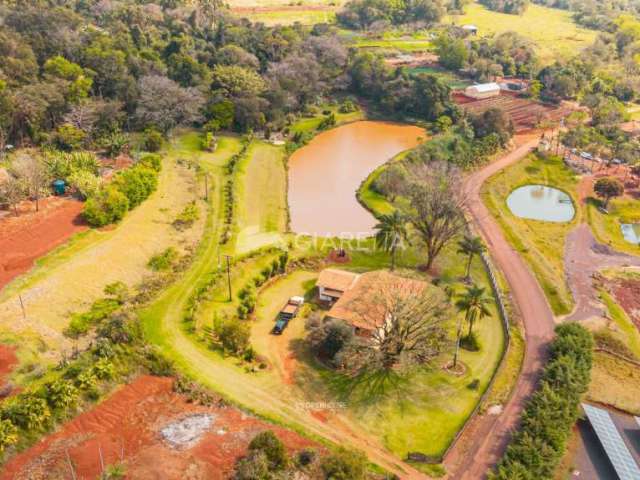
pixel 325 175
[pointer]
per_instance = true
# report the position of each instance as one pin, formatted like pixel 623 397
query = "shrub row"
pixel 128 189
pixel 537 448
pixel 229 189
pixel 247 294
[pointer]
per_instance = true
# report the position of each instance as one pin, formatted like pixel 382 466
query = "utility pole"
pixel 228 257
pixel 206 186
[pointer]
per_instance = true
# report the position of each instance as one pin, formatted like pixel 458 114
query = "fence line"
pixel 506 328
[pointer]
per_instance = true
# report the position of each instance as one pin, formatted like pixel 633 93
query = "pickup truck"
pixel 286 314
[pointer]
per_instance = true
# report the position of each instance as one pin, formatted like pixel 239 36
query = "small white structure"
pixel 482 90
pixel 332 283
pixel 472 29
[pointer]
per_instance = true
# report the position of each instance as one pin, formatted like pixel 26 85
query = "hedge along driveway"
pixel 70 279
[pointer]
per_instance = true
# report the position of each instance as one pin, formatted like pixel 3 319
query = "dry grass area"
pixel 615 382
pixel 74 276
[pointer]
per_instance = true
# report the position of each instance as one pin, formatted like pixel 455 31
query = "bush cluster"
pixel 187 217
pixel 163 261
pixel 247 294
pixel 536 450
pixel 31 412
pixel 229 189
pixel 100 310
pixel 128 189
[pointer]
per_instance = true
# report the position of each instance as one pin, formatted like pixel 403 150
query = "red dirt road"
pixel 25 238
pixel 489 434
pixel 126 428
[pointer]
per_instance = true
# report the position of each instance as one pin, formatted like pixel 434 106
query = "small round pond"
pixel 631 232
pixel 539 202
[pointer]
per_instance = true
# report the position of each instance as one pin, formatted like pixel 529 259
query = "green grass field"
pixel 541 244
pixel 447 77
pixel 553 30
pixel 606 227
pixel 289 17
pixel 262 197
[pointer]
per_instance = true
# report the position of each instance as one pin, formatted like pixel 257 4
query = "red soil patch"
pixel 32 234
pixel 8 361
pixel 126 427
pixel 627 294
pixel 526 114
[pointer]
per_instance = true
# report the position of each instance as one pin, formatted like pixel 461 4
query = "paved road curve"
pixel 489 435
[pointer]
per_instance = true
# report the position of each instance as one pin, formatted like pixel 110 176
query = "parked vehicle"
pixel 586 155
pixel 286 314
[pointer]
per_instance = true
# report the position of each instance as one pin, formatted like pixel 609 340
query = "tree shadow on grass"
pixel 369 387
pixel 363 390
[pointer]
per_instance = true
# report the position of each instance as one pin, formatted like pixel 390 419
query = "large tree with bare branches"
pixel 438 199
pixel 405 327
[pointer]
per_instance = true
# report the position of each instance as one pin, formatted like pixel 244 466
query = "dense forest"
pixel 81 73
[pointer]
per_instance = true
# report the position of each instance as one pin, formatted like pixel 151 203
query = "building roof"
pixel 631 127
pixel 612 442
pixel 365 304
pixel 484 87
pixel 338 280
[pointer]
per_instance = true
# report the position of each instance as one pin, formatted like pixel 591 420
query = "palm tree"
pixel 390 232
pixel 475 303
pixel 470 246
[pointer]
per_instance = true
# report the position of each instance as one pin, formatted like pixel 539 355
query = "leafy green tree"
pixel 108 205
pixel 27 411
pixel 452 52
pixel 61 394
pixel 475 303
pixel 470 246
pixel 8 434
pixel 273 448
pixel 344 465
pixel 608 188
pixel 235 81
pixel 391 231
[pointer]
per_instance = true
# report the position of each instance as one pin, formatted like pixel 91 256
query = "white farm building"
pixel 482 90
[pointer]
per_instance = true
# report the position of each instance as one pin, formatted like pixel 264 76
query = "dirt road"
pixel 491 433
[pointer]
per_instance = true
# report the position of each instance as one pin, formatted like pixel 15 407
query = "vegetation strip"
pixel 538 446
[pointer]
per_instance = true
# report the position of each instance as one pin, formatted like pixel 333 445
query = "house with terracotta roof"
pixel 364 304
pixel 332 283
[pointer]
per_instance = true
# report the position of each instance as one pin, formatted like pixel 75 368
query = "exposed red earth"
pixel 126 428
pixel 8 361
pixel 484 442
pixel 627 294
pixel 30 235
pixel 526 114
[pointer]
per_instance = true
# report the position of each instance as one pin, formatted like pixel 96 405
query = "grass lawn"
pixel 261 197
pixel 289 17
pixel 541 244
pixel 606 228
pixel 310 124
pixel 615 382
pixel 405 45
pixel 553 30
pixel 423 413
pixel 451 79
